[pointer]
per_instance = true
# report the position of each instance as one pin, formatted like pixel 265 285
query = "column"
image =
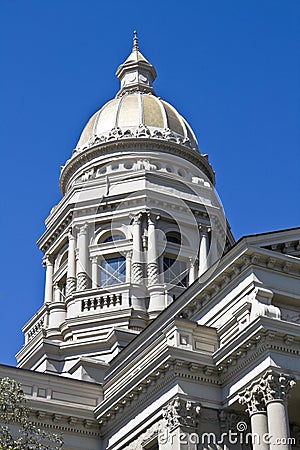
pixel 181 417
pixel 128 256
pixel 48 263
pixel 276 388
pixel 94 262
pixel 156 290
pixel 256 408
pixel 214 254
pixel 137 266
pixel 203 249
pixel 192 271
pixel 152 256
pixel 57 314
pixel 82 278
pixel 266 401
pixel 71 273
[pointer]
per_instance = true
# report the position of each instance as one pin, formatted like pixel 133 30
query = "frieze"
pixel 81 158
pixel 66 423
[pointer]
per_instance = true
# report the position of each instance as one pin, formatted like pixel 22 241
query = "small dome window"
pixel 173 237
pixel 114 237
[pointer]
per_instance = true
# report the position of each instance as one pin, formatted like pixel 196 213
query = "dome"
pixel 136 112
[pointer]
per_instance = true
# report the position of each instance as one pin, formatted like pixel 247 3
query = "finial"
pixel 135 41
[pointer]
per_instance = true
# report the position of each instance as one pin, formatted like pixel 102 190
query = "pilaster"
pixel 71 272
pixel 82 278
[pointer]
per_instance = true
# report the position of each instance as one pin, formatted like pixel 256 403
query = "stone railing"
pixel 36 324
pixel 101 301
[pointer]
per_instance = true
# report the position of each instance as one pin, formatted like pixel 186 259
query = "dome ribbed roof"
pixel 137 115
pixel 136 112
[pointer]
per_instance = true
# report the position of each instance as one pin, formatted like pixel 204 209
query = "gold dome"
pixel 137 114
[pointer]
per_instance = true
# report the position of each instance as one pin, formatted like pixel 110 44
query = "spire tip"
pixel 135 41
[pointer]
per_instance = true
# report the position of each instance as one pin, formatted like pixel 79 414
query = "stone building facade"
pixel 158 330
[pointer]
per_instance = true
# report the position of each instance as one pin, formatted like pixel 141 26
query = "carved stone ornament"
pixel 271 386
pixel 153 273
pixel 82 281
pixel 253 398
pixel 137 273
pixel 144 438
pixel 71 285
pixel 276 386
pixel 181 412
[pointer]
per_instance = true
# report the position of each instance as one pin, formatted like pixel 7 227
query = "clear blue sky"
pixel 230 67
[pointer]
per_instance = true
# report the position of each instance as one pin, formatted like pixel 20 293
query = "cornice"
pixel 120 407
pixel 263 336
pixel 88 155
pixel 252 257
pixel 65 423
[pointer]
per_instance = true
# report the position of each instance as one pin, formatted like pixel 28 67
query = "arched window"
pixel 113 271
pixel 174 237
pixel 114 237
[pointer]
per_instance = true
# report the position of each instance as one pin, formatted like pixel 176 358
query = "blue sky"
pixel 231 68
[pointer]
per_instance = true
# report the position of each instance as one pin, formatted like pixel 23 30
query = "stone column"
pixel 156 290
pixel 128 256
pixel 48 264
pixel 214 254
pixel 256 408
pixel 269 395
pixel 57 315
pixel 203 249
pixel 137 265
pixel 71 273
pixel 82 278
pixel 276 388
pixel 94 262
pixel 181 420
pixel 192 271
pixel 152 256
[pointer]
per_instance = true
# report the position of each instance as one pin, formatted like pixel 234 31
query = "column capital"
pixel 94 259
pixel 253 398
pixel 136 219
pixel 152 217
pixel 270 387
pixel 204 229
pixel 276 386
pixel 83 228
pixel 181 412
pixel 127 253
pixel 47 260
pixel 70 234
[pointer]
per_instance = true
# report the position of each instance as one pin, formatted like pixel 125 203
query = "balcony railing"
pixel 101 301
pixel 36 324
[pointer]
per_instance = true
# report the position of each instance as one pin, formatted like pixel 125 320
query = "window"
pixel 113 271
pixel 175 272
pixel 173 237
pixel 113 238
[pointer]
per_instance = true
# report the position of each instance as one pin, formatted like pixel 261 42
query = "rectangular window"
pixel 113 271
pixel 175 272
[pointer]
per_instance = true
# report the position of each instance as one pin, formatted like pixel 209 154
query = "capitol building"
pixel 157 329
